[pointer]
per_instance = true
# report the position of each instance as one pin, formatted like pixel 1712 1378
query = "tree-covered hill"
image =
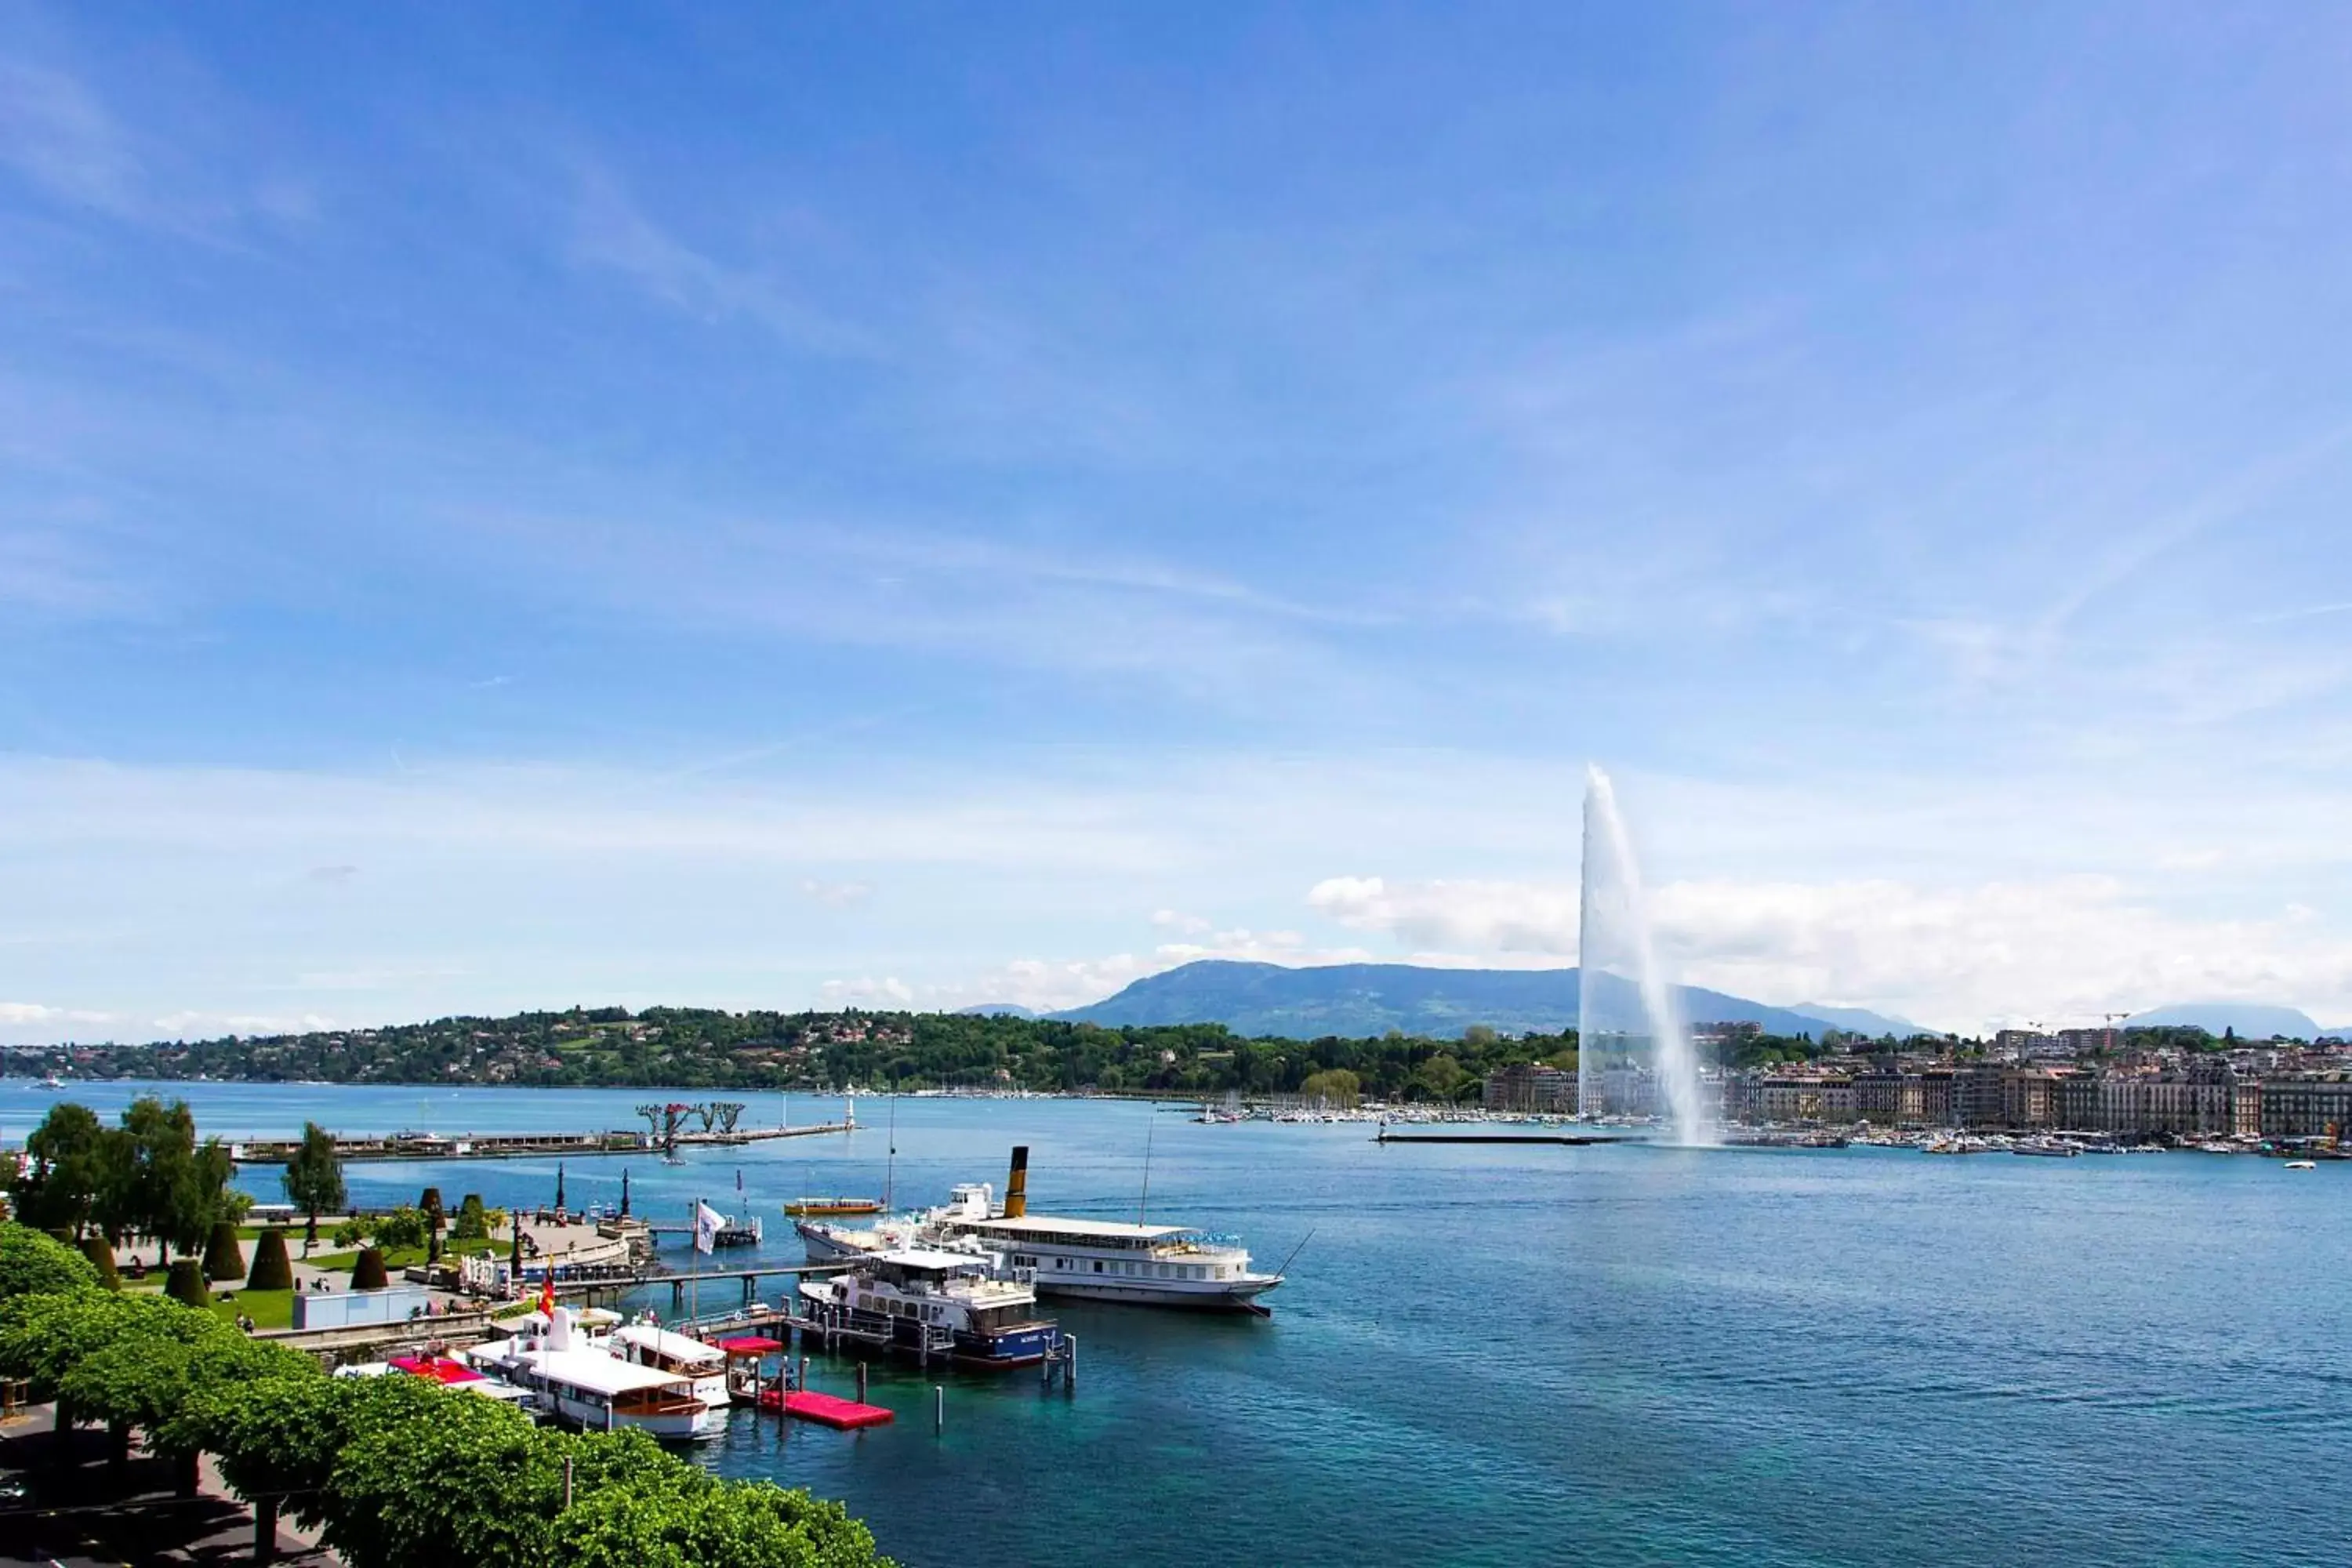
pixel 708 1048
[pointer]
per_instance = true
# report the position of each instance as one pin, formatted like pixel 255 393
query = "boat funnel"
pixel 1016 1183
pixel 559 1330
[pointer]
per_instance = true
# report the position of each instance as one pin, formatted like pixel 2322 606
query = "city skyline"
pixel 732 511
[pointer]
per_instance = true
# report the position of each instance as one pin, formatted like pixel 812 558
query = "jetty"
pixel 1572 1140
pixel 510 1146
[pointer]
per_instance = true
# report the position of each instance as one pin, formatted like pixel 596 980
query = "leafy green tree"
pixel 314 1181
pixel 1334 1087
pixel 403 1229
pixel 1439 1077
pixel 34 1264
pixel 276 1437
pixel 169 1185
pixel 139 1381
pixel 646 1509
pixel 59 1182
pixel 474 1483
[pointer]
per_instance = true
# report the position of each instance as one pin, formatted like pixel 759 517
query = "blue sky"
pixel 504 506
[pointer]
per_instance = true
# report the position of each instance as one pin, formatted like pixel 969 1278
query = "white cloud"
pixel 888 992
pixel 1481 917
pixel 35 1013
pixel 1190 925
pixel 191 1025
pixel 2069 948
pixel 835 895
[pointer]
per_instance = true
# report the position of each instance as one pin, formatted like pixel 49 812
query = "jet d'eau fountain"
pixel 1633 1051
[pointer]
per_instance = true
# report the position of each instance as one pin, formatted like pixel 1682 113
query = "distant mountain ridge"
pixel 1362 999
pixel 2251 1020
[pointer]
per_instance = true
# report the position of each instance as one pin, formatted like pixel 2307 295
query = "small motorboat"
pixel 2303 1164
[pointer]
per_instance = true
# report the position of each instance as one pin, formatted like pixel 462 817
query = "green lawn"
pixel 395 1259
pixel 268 1309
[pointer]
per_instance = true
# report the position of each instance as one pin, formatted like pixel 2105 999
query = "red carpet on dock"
pixel 825 1409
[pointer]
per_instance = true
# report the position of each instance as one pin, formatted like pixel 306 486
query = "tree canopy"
pixel 397 1471
pixel 314 1179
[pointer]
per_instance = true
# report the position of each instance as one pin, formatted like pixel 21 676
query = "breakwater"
pixel 509 1145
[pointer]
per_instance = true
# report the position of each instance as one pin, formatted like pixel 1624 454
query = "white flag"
pixel 707 1221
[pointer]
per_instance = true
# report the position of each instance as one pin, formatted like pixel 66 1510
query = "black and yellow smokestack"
pixel 1016 1184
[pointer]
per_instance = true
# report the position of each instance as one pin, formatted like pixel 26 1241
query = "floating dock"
pixel 843 1415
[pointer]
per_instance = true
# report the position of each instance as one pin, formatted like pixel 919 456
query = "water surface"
pixel 1557 1356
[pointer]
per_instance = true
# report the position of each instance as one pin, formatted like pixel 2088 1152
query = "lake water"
pixel 1551 1355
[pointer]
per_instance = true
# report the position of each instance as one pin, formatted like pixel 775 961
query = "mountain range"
pixel 1363 999
pixel 2251 1020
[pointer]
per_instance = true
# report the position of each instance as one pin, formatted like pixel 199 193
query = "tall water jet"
pixel 1632 1052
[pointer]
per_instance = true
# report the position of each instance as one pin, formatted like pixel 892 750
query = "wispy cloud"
pixel 55 134
pixel 612 231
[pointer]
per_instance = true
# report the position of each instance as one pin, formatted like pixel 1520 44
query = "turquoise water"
pixel 1557 1356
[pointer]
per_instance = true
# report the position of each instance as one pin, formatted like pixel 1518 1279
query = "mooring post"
pixel 938 1409
pixel 804 1374
pixel 861 1383
pixel 1070 1372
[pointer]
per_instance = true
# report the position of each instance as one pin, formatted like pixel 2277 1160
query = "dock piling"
pixel 861 1383
pixel 938 1409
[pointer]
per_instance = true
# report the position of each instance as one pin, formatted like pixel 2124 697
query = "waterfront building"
pixel 1530 1086
pixel 2306 1106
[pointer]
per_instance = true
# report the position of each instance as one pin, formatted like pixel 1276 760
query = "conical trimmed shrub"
pixel 272 1269
pixel 101 1252
pixel 367 1272
pixel 188 1283
pixel 224 1258
pixel 473 1223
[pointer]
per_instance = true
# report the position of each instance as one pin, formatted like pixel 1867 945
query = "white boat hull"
pixel 591 1416
pixel 1221 1296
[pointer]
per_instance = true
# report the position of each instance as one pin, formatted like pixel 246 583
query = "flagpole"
pixel 694 1258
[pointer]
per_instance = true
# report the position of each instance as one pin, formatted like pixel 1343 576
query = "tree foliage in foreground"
pixel 397 1471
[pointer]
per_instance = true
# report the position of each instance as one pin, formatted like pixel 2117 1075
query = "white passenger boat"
pixel 1096 1259
pixel 651 1345
pixel 576 1380
pixel 955 1306
pixel 1112 1260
